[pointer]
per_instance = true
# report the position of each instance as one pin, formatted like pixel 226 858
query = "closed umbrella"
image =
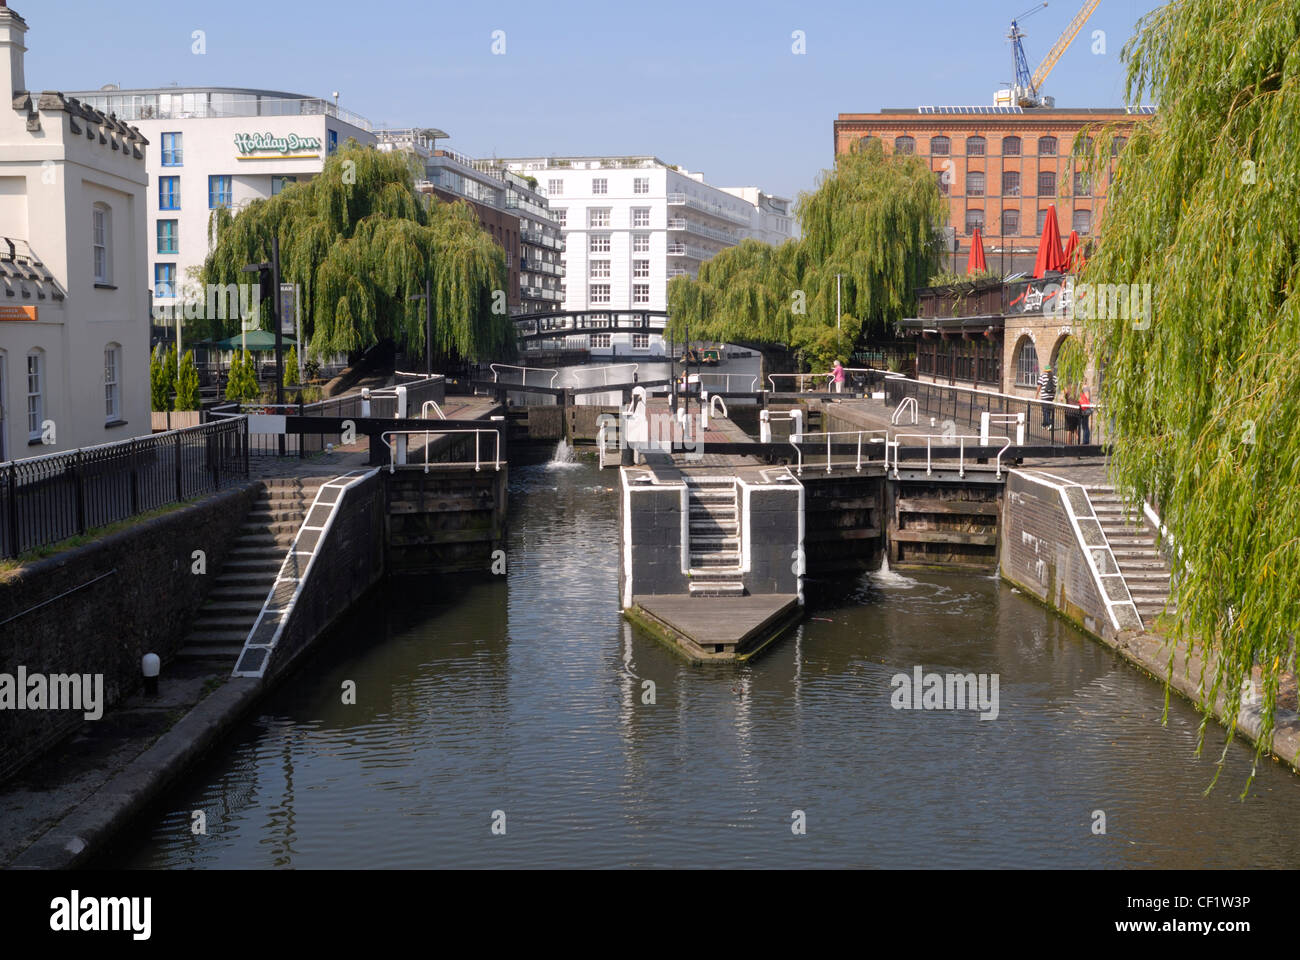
pixel 975 262
pixel 1050 255
pixel 1072 252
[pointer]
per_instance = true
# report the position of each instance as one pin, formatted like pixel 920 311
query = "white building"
pixel 633 223
pixel 773 220
pixel 74 304
pixel 213 147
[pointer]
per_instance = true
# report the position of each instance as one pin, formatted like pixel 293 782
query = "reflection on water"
pixel 524 694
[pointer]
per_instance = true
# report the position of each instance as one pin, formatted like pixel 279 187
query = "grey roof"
pixel 23 277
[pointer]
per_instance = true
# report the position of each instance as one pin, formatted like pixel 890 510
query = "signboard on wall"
pixel 288 308
pixel 267 146
pixel 9 312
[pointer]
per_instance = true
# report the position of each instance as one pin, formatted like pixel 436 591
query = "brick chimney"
pixel 12 30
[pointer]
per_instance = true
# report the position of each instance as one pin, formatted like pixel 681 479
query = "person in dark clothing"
pixel 1047 393
pixel 1085 411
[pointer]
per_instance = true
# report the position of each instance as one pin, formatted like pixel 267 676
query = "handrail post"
pixel 859 451
pixel 12 510
pixel 179 486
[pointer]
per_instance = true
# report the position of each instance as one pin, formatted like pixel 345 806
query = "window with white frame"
pixel 100 227
pixel 555 188
pixel 598 217
pixel 641 269
pixel 640 293
pixel 640 341
pixel 35 397
pixel 641 185
pixel 599 269
pixel 600 340
pixel 112 388
pixel 561 217
pixel 640 216
pixel 641 243
pixel 599 185
pixel 598 243
pixel 600 293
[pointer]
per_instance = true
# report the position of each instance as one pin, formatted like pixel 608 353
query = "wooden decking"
pixel 716 628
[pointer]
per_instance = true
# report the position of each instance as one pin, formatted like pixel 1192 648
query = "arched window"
pixel 1010 146
pixel 1047 146
pixel 940 146
pixel 112 383
pixel 975 146
pixel 1026 363
pixel 35 393
pixel 101 230
pixel 866 141
pixel 904 146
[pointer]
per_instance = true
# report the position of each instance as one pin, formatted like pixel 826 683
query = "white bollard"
pixel 365 401
pixel 401 438
pixel 796 426
pixel 1020 429
pixel 764 426
pixel 984 428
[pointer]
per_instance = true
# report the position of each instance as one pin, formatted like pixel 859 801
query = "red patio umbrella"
pixel 975 262
pixel 1072 252
pixel 1050 254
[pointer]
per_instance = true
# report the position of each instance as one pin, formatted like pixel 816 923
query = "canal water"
pixel 523 695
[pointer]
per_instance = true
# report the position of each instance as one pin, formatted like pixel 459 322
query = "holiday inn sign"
pixel 251 144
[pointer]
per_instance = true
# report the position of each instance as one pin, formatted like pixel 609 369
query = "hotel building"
pixel 74 305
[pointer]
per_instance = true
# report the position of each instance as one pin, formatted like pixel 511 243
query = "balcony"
pixel 712 209
pixel 689 250
pixel 690 226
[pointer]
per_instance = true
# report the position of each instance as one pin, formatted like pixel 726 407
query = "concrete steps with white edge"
pixel 1133 543
pixel 714 537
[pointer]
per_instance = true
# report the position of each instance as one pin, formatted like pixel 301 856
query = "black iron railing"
pixel 47 499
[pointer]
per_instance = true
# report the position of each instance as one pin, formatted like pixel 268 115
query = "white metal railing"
pixel 801 377
pixel 496 369
pixel 711 409
pixel 1002 419
pixel 726 379
pixel 736 217
pixel 424 410
pixel 929 438
pixel 909 403
pixel 859 435
pixel 604 371
pixel 397 451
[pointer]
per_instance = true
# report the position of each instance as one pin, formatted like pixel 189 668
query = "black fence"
pixel 1045 423
pixel 47 499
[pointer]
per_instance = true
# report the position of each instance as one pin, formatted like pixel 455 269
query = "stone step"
pixel 1146 576
pixel 716 513
pixel 717 588
pixel 715 544
pixel 274 527
pixel 706 529
pixel 1140 588
pixel 707 495
pixel 1133 540
pixel 253 551
pixel 232 605
pixel 252 592
pixel 722 559
pixel 217 637
pixel 269 564
pixel 222 652
pixel 275 516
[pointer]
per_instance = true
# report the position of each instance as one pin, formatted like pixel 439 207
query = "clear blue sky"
pixel 712 85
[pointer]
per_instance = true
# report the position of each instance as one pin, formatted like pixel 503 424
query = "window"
pixel 169 193
pixel 164 280
pixel 172 154
pixel 640 341
pixel 1116 145
pixel 1027 364
pixel 1042 222
pixel 219 191
pixel 555 188
pixel 561 218
pixel 600 185
pixel 600 340
pixel 1010 146
pixel 1010 223
pixel 599 243
pixel 975 146
pixel 974 218
pixel 112 391
pixel 1047 183
pixel 1082 222
pixel 1082 183
pixel 1011 183
pixel 600 293
pixel 167 242
pixel 641 269
pixel 864 142
pixel 99 235
pixel 945 178
pixel 940 146
pixel 598 217
pixel 641 185
pixel 35 399
pixel 975 183
pixel 598 268
pixel 640 216
pixel 1083 146
pixel 279 183
pixel 904 146
pixel 640 243
pixel 640 293
pixel 332 142
pixel 1047 146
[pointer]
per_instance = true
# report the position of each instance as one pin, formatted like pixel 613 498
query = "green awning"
pixel 254 340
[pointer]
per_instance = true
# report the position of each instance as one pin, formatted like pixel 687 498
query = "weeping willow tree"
pixel 1204 397
pixel 361 242
pixel 872 220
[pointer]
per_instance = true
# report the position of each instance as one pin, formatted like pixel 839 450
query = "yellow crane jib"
pixel 1064 42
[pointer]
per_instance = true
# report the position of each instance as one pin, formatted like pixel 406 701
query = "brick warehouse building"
pixel 1001 168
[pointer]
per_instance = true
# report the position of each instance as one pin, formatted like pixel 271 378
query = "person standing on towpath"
pixel 1047 394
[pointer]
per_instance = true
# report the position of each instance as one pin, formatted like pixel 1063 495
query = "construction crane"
pixel 1025 90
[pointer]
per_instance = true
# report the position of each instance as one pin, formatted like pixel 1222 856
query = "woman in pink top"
pixel 837 377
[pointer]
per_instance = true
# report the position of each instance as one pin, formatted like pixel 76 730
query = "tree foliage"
pixel 1204 398
pixel 241 382
pixel 360 241
pixel 291 367
pixel 160 388
pixel 873 220
pixel 187 383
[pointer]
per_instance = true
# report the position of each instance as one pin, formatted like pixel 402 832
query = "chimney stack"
pixel 12 30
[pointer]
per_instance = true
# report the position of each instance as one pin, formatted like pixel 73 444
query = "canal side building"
pixel 74 305
pixel 1000 167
